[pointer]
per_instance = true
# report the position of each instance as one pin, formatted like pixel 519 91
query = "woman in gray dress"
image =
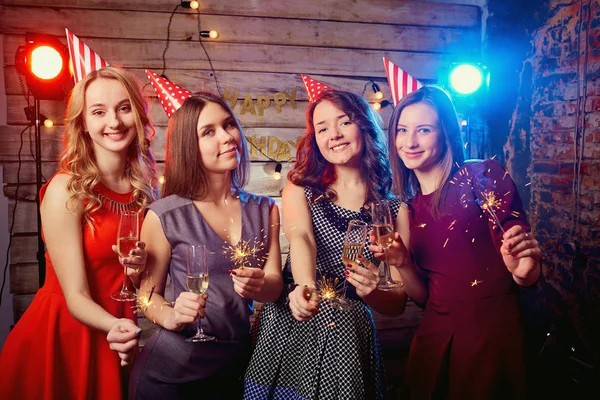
pixel 206 167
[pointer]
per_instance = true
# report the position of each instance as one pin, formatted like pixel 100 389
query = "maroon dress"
pixel 470 341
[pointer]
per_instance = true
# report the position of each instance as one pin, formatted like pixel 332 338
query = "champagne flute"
pixel 383 226
pixel 354 244
pixel 196 278
pixel 127 237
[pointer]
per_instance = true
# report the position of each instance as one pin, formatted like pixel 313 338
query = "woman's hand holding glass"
pixel 187 309
pixel 397 253
pixel 135 263
pixel 364 278
pixel 304 303
pixel 247 282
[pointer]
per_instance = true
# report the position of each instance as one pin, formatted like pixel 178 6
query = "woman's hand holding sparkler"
pixel 397 253
pixel 365 279
pixel 247 282
pixel 123 338
pixel 304 303
pixel 521 254
pixel 188 307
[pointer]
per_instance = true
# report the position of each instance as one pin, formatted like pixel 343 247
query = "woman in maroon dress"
pixel 470 250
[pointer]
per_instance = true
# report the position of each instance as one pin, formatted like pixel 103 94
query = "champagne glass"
pixel 354 244
pixel 127 237
pixel 196 278
pixel 383 226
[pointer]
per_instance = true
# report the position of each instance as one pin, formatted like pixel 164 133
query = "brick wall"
pixel 553 152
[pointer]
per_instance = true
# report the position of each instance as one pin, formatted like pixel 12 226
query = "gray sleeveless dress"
pixel 171 368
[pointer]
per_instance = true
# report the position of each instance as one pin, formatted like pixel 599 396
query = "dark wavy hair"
pixel 184 175
pixel 406 185
pixel 311 168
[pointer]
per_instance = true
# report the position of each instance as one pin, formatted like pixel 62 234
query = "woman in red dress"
pixel 471 249
pixel 61 346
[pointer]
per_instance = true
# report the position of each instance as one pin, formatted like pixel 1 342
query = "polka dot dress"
pixel 336 354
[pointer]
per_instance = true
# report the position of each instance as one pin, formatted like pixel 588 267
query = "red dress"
pixel 470 341
pixel 50 355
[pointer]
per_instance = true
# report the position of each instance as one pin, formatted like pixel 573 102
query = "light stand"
pixel 38 184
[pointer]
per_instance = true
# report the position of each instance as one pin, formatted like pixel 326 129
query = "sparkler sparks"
pixel 329 288
pixel 143 302
pixel 490 204
pixel 244 252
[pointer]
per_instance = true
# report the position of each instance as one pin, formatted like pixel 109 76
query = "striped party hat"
pixel 313 88
pixel 170 95
pixel 401 83
pixel 83 59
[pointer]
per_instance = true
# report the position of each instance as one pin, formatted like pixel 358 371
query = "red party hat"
pixel 401 83
pixel 170 95
pixel 313 88
pixel 83 59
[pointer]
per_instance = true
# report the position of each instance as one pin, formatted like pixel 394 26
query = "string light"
pixel 377 106
pixel 161 179
pixel 277 174
pixel 377 91
pixel 48 123
pixel 209 34
pixel 194 5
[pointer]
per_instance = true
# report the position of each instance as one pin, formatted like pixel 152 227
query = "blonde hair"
pixel 78 158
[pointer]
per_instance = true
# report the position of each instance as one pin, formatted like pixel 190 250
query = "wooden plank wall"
pixel 262 48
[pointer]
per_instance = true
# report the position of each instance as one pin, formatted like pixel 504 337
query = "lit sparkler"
pixel 143 302
pixel 329 288
pixel 490 204
pixel 243 251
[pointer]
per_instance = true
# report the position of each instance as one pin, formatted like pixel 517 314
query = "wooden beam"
pixel 132 53
pixel 405 12
pixel 111 24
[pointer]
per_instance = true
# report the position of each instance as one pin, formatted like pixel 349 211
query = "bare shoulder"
pixel 58 197
pixel 292 191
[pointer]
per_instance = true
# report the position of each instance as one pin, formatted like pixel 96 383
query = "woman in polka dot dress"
pixel 306 348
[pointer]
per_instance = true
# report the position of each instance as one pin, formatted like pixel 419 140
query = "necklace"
pixel 115 207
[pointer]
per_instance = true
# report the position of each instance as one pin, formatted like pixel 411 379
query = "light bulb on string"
pixel 377 91
pixel 277 173
pixel 209 34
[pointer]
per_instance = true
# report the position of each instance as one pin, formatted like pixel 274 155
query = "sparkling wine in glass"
pixel 196 278
pixel 383 227
pixel 127 237
pixel 354 244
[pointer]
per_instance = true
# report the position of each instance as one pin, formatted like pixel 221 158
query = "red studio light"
pixel 44 60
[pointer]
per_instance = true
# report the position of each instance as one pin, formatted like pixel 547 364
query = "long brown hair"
pixel 312 169
pixel 184 175
pixel 405 184
pixel 78 158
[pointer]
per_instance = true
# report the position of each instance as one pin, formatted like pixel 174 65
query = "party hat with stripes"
pixel 401 83
pixel 83 59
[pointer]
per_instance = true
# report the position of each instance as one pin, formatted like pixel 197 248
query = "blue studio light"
pixel 466 79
